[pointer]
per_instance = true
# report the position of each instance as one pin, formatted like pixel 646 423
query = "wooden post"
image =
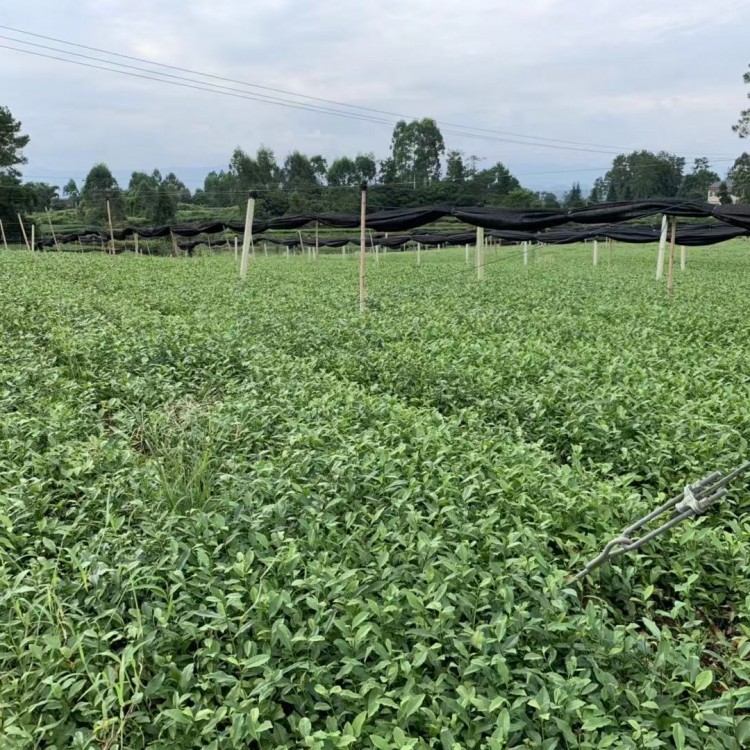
pixel 662 248
pixel 175 248
pixel 287 251
pixel 480 253
pixel 23 232
pixel 33 240
pixel 51 229
pixel 2 231
pixel 343 251
pixel 526 253
pixel 596 252
pixel 265 250
pixel 137 247
pixel 670 277
pixel 317 245
pixel 362 248
pixel 683 258
pixel 466 255
pixel 112 231
pixel 236 249
pixel 419 253
pixel 247 237
pixel 610 243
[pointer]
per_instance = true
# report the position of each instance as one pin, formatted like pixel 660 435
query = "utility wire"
pixel 298 95
pixel 238 94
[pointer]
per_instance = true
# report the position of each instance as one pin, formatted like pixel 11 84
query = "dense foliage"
pixel 247 516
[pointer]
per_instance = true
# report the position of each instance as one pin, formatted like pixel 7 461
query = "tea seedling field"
pixel 248 516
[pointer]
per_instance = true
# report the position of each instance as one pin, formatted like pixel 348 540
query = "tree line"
pixel 419 170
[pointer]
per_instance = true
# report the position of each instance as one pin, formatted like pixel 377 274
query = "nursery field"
pixel 246 515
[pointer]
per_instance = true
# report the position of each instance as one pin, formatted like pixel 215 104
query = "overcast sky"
pixel 618 73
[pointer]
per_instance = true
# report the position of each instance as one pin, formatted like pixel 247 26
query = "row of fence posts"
pixel 667 224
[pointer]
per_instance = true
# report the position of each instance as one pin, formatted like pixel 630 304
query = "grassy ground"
pixel 246 515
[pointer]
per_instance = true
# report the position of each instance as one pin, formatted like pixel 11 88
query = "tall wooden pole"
pixel 23 232
pixel 362 248
pixel 670 278
pixel 2 231
pixel 51 229
pixel 111 231
pixel 480 253
pixel 683 258
pixel 247 237
pixel 662 248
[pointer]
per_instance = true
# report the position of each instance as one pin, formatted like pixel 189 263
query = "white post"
pixel 343 251
pixel 419 253
pixel 2 231
pixel 33 241
pixel 466 254
pixel 526 253
pixel 111 231
pixel 317 242
pixel 247 237
pixel 596 252
pixel 302 245
pixel 265 250
pixel 137 247
pixel 362 253
pixel 662 248
pixel 670 277
pixel 683 258
pixel 287 251
pixel 236 249
pixel 480 253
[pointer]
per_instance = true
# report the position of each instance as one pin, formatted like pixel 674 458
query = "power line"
pixel 235 93
pixel 296 94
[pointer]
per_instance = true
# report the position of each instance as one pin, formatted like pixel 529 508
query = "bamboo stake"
pixel 2 231
pixel 23 232
pixel 137 246
pixel 419 253
pixel 362 249
pixel 175 248
pixel 670 279
pixel 374 247
pixel 526 253
pixel 33 241
pixel 265 250
pixel 317 246
pixel 51 229
pixel 683 258
pixel 466 254
pixel 480 253
pixel 302 245
pixel 662 248
pixel 236 249
pixel 111 230
pixel 596 252
pixel 247 238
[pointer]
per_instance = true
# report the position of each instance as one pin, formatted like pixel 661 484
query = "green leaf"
pixel 703 680
pixel 256 661
pixel 678 734
pixel 410 704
